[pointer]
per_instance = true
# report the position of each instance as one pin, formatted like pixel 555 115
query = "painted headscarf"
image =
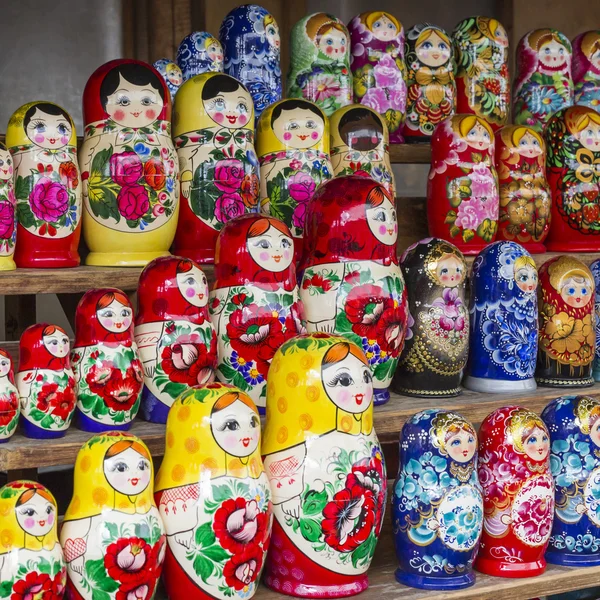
pixel 33 353
pixel 171 74
pixel 192 54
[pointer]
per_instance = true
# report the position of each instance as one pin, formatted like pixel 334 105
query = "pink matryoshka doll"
pixel 518 493
pixel 352 284
pixel 586 69
pixel 105 361
pixel 9 398
pixel 254 304
pixel 175 338
pixel 45 382
pixel 462 190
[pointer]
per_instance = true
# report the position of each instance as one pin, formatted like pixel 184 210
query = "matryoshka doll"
pixel 251 44
pixel 437 520
pixel 595 269
pixel 8 211
pixel 504 320
pixel 112 535
pixel 214 136
pixel 360 145
pixel 9 398
pixel 573 145
pixel 437 340
pixel 176 341
pixel 351 281
pixel 320 62
pixel 518 493
pixel 31 559
pixel 431 96
pixel 574 426
pixel 106 362
pixel 213 495
pixel 292 142
pixel 462 188
pixel 129 166
pixel 567 335
pixel 543 83
pixel 325 467
pixel 525 199
pixel 254 304
pixel 378 69
pixel 199 52
pixel 171 73
pixel 586 69
pixel 45 382
pixel 42 140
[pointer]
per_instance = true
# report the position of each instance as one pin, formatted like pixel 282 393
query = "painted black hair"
pixel 220 84
pixel 132 72
pixel 49 109
pixel 294 105
pixel 358 114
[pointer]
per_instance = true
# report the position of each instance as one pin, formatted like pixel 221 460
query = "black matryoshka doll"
pixel 437 342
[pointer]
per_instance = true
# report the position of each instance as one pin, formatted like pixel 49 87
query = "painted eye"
pixel 254 422
pixel 65 340
pixel 62 129
pixel 571 291
pixel 345 380
pixel 561 51
pixel 242 108
pixel 584 291
pixel 231 425
pixel 147 101
pixel 459 269
pixel 28 512
pixel 545 438
pixel 293 125
pixel 455 443
pixel 121 467
pixel 444 271
pixel 471 439
pixel 532 440
pixel 329 42
pixel 190 281
pixel 442 46
pixel 311 125
pixel 547 51
pixel 125 313
pixel 390 26
pixel 263 244
pixel 9 162
pixel 143 465
pixel 204 281
pixel 49 509
pixel 486 136
pixel 427 45
pixel 220 104
pixel 286 244
pixel 367 376
pixel 380 216
pixel 377 25
pixel 123 101
pixel 40 128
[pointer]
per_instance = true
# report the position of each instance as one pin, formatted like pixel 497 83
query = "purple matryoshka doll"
pixel 45 382
pixel 8 212
pixel 171 73
pixel 175 338
pixel 106 363
pixel 9 398
pixel 199 52
pixel 378 69
pixel 586 69
pixel 595 269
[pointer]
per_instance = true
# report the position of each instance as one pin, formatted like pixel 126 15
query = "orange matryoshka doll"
pixel 254 304
pixel 174 335
pixel 106 362
pixel 129 166
pixel 8 211
pixel 9 398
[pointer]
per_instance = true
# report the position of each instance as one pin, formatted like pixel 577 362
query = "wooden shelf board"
pixel 411 154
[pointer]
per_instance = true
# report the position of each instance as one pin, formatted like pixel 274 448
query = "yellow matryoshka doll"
pixel 112 536
pixel 214 496
pixel 31 559
pixel 325 466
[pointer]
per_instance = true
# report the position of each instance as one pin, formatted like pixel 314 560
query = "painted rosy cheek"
pixel 64 139
pixel 119 115
pixel 151 114
pixel 39 138
pixel 50 519
pixel 587 140
pixel 190 293
pixel 329 50
pixel 344 396
pixel 287 136
pixel 230 441
pixel 29 522
pixel 314 135
pixel 286 254
pixel 219 117
pixel 10 170
pixel 243 119
pixel 382 229
pixel 264 256
pixel 108 323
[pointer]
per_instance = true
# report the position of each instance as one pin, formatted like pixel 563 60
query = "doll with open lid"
pixel 9 398
pixel 199 52
pixel 171 73
pixel 8 211
pixel 586 69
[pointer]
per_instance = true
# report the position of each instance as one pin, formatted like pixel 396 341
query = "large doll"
pixel 112 535
pixel 251 44
pixel 176 341
pixel 378 69
pixel 325 467
pixel 214 136
pixel 42 140
pixel 430 80
pixel 254 304
pixel 8 211
pixel 543 82
pixel 214 496
pixel 129 166
pixel 586 69
pixel 320 62
pixel 351 281
pixel 9 398
pixel 462 189
pixel 199 52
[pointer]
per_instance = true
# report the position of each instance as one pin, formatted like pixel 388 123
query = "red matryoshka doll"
pixel 462 190
pixel 129 166
pixel 351 281
pixel 42 140
pixel 518 493
pixel 567 336
pixel 9 398
pixel 8 211
pixel 586 69
pixel 254 304
pixel 175 338
pixel 106 362
pixel 525 199
pixel 45 382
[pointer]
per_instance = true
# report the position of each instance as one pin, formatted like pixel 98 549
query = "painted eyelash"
pixel 337 379
pixel 224 426
pixel 37 123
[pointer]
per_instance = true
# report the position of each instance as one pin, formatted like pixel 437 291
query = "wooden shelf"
pixel 410 154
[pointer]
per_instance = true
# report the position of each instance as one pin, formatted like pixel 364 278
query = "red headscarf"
pixel 33 354
pixel 11 372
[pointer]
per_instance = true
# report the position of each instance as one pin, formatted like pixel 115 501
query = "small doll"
pixel 199 52
pixel 8 211
pixel 171 73
pixel 595 269
pixel 9 398
pixel 586 69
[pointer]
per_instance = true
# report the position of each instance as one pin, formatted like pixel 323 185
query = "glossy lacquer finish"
pixel 9 398
pixel 176 341
pixel 171 73
pixel 574 426
pixel 199 52
pixel 586 69
pixel 8 211
pixel 518 493
pixel 595 269
pixel 214 496
pixel 325 467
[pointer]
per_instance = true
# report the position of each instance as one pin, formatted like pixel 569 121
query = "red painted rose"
pixel 49 200
pixel 365 306
pixel 369 473
pixel 68 171
pixel 229 175
pixel 120 393
pixel 391 329
pixel 238 524
pixel 128 560
pixel 125 168
pixel 135 591
pixel 8 408
pixel 99 375
pixel 242 569
pixel 58 584
pixel 35 586
pixel 7 220
pixel 190 363
pixel 133 202
pixel 154 174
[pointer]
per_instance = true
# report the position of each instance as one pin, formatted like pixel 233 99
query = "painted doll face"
pixel 333 43
pixel 529 146
pixel 383 29
pixel 36 516
pixel 215 52
pixel 57 344
pixel 272 250
pixel 461 446
pixel 450 270
pixel 478 137
pixel 501 36
pixel 174 74
pixel 236 429
pixel 363 134
pixel 595 432
pixel 115 317
pixel 590 137
pixel 382 222
pixel 298 128
pixel 553 55
pixel 193 287
pixel 434 51
pixel 273 37
pixel 128 472
pixel 229 109
pixel 348 384
pixel 527 279
pixel 537 444
pixel 595 59
pixel 5 364
pixel 49 131
pixel 576 292
pixel 6 165
pixel 134 105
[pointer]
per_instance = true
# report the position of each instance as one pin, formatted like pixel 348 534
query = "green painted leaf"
pixel 205 536
pixel 314 502
pixel 174 389
pixel 311 529
pixel 216 553
pixel 100 164
pixel 25 216
pixel 204 567
pixel 23 187
pixel 6 589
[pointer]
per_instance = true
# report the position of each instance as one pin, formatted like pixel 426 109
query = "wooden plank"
pixel 412 154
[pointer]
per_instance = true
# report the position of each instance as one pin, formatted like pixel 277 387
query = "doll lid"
pixel 359 127
pixel 586 56
pixel 572 414
pixel 375 29
pixel 420 33
pixel 170 72
pixel 472 29
pixel 199 52
pixel 44 346
pixel 6 366
pixel 577 119
pixel 460 136
pixel 249 30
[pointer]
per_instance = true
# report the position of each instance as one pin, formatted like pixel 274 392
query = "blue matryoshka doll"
pixel 251 43
pixel 595 269
pixel 504 320
pixel 171 73
pixel 437 502
pixel 199 52
pixel 574 426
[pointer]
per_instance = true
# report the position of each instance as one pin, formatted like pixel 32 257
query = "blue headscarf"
pixel 192 55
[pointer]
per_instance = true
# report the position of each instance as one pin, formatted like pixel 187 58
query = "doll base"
pixel 434 583
pixel 561 383
pixel 152 409
pixel 37 433
pixel 451 393
pixel 47 260
pixel 572 560
pixel 573 246
pixel 123 259
pixel 86 424
pixel 202 257
pixel 7 263
pixel 498 386
pixel 381 396
pixel 499 568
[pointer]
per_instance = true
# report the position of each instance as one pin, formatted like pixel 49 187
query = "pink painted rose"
pixel 471 214
pixel 482 182
pixel 7 220
pixel 229 175
pixel 299 215
pixel 229 206
pixel 301 187
pixel 133 202
pixel 125 168
pixel 295 165
pixel 49 200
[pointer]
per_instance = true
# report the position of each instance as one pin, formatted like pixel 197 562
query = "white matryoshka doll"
pixel 31 559
pixel 325 466
pixel 254 304
pixel 214 136
pixel 129 165
pixel 171 73
pixel 9 398
pixel 199 52
pixel 42 140
pixel 106 362
pixel 174 335
pixel 8 211
pixel 214 496
pixel 112 536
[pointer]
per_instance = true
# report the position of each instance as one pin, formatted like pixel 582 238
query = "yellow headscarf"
pixel 336 117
